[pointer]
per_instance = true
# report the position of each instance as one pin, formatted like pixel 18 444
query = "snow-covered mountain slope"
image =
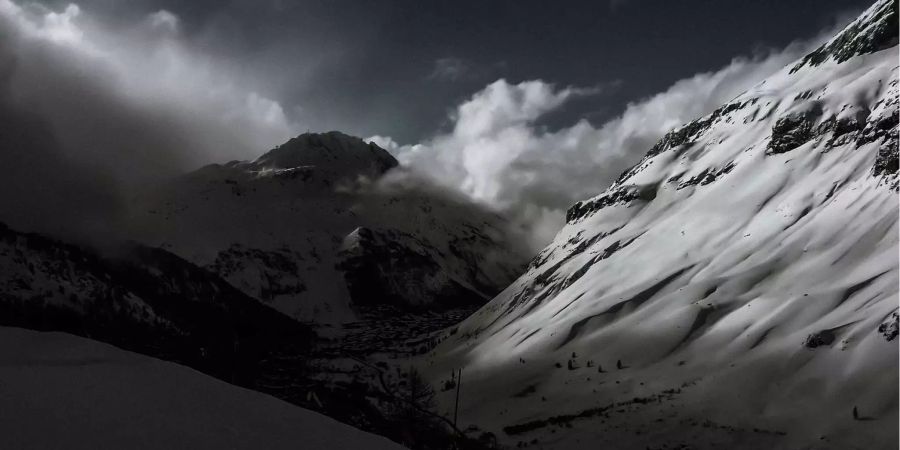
pixel 142 299
pixel 316 229
pixel 61 391
pixel 737 288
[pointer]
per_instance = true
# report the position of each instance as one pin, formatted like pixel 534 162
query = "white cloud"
pixel 450 69
pixel 496 155
pixel 99 111
pixel 60 27
pixel 164 20
pixel 147 74
pixel 384 142
pixel 453 69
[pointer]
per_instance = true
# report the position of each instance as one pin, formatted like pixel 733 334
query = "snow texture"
pixel 743 275
pixel 62 391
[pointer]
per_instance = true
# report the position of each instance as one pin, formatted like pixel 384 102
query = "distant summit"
pixel 332 151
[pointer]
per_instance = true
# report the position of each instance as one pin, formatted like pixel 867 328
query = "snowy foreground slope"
pixel 62 391
pixel 738 288
pixel 319 228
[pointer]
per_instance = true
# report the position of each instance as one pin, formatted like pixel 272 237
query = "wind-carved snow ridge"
pixel 745 272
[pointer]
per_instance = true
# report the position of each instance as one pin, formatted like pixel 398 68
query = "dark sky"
pixel 120 95
pixel 369 67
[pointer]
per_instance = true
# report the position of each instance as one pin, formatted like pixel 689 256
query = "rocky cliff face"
pixel 743 274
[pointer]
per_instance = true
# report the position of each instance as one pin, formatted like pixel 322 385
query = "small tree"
pixel 420 394
pixel 413 403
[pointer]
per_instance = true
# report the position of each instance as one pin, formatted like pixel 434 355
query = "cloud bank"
pixel 91 113
pixel 498 154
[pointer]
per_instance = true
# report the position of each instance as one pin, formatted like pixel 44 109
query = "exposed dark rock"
pixel 707 176
pixel 619 195
pixel 819 339
pixel 264 274
pixel 333 151
pixel 690 132
pixel 886 162
pixel 790 132
pixel 684 137
pixel 865 35
pixel 884 129
pixel 584 208
pixel 843 130
pixel 890 328
pixel 392 268
pixel 681 138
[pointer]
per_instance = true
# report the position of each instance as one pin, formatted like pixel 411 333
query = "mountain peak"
pixel 332 151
